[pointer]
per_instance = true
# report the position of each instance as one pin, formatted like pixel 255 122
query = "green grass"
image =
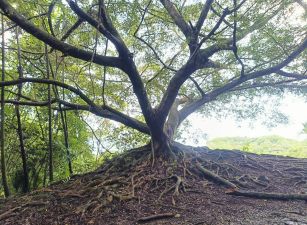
pixel 274 145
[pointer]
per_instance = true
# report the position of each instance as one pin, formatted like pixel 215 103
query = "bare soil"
pixel 130 190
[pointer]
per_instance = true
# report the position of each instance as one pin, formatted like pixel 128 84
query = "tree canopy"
pixel 149 64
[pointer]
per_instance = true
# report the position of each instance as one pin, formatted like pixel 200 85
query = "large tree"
pixel 160 54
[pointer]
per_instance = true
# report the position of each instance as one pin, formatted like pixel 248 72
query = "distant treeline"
pixel 274 145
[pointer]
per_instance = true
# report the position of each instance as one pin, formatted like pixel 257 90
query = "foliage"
pixel 273 145
pixel 35 139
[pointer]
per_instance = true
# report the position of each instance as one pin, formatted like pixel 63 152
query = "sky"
pixel 204 128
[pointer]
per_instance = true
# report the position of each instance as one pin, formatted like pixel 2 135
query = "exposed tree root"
pixel 132 177
pixel 157 217
pixel 12 211
pixel 110 187
pixel 234 190
pixel 264 195
pixel 214 176
pixel 176 187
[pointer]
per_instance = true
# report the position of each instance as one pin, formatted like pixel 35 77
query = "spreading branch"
pixel 177 18
pixel 67 49
pixel 129 67
pixel 106 112
pixel 109 113
pixel 203 15
pixel 105 28
pixel 238 81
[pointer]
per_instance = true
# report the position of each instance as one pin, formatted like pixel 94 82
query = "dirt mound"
pixel 201 187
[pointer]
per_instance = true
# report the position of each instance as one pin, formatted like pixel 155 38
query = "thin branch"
pixel 50 9
pixel 156 54
pixel 30 103
pixel 167 66
pixel 234 41
pixel 104 76
pixel 142 18
pixel 96 137
pixel 197 86
pixel 109 31
pixel 219 15
pixel 146 43
pixel 29 18
pixel 227 44
pixel 216 26
pixel 67 49
pixel 261 85
pixel 21 96
pixel 293 75
pixel 47 81
pixel 72 29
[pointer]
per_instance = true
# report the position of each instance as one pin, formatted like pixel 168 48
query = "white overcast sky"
pixel 204 129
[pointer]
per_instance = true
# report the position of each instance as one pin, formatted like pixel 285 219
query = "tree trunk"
pixel 3 167
pixel 50 149
pixel 162 140
pixel 63 120
pixel 65 129
pixel 162 147
pixel 25 186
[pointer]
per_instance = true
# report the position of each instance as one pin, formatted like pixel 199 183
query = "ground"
pixel 130 190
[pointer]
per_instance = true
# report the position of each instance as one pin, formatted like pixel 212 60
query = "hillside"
pixel 274 145
pixel 121 193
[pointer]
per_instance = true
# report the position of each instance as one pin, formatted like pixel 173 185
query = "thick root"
pixel 157 217
pixel 264 195
pixel 215 177
pixel 12 212
pixel 234 189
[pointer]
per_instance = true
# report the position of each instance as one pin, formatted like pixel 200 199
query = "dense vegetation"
pixel 274 145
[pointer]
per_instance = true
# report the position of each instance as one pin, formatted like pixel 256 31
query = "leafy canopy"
pixel 129 60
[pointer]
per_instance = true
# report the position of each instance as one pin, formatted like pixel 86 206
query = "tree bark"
pixel 26 186
pixel 161 147
pixel 63 118
pixel 50 149
pixel 3 166
pixel 65 130
pixel 163 139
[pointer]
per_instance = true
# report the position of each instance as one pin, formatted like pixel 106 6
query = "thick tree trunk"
pixel 162 139
pixel 161 146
